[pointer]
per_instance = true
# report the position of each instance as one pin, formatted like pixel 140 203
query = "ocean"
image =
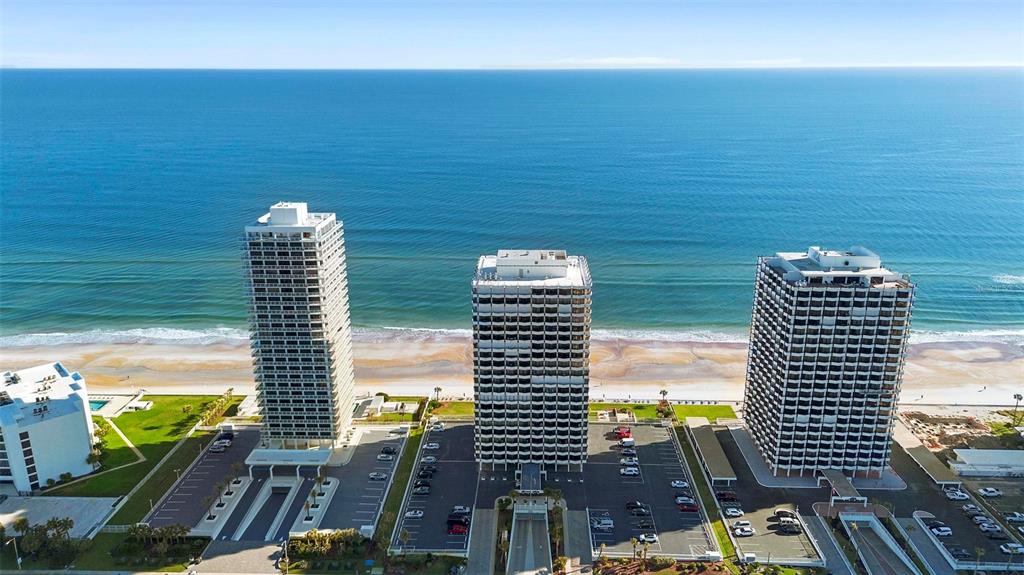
pixel 124 193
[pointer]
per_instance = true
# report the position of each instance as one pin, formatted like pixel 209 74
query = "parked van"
pixel 602 524
pixel 627 442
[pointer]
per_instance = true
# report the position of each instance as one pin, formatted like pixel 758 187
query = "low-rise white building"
pixel 45 426
pixel 988 462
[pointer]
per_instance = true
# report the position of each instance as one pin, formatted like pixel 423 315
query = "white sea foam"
pixel 233 336
pixel 1008 279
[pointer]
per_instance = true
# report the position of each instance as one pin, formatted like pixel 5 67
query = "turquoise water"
pixel 124 192
pixel 95 404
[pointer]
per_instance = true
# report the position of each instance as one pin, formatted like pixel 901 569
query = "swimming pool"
pixel 95 404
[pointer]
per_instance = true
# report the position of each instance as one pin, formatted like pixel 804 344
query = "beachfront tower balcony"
pixel 300 330
pixel 828 340
pixel 531 358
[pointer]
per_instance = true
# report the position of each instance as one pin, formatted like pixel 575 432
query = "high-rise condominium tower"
pixel 828 340
pixel 300 333
pixel 531 358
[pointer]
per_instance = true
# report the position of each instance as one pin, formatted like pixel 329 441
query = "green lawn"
pixel 712 412
pixel 95 558
pixel 454 408
pixel 708 499
pixel 393 505
pixel 137 507
pixel 154 432
pixel 640 410
pixel 116 451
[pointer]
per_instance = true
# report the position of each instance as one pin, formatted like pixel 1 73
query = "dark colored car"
pixel 389 450
pixel 640 512
pixel 684 493
pixel 931 524
pixel 430 468
pixel 421 483
pixel 634 505
pixel 645 524
pixel 960 553
pixel 997 535
pixel 458 519
pixel 725 495
pixel 424 475
pixel 227 435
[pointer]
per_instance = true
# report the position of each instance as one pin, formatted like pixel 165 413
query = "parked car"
pixel 630 461
pixel 216 449
pixel 647 538
pixel 602 523
pixel 635 504
pixel 1014 517
pixel 733 512
pixel 629 471
pixel 640 512
pixel 997 536
pixel 970 507
pixel 1021 529
pixel 461 509
pixel 1012 548
pixel 629 451
pixel 725 495
pixel 432 446
pixel 439 426
pixel 989 528
pixel 421 483
pixel 684 494
pixel 458 518
pixel 223 442
pixel 430 468
pixel 741 523
pixel 990 492
pixel 744 532
pixel 226 435
pixel 378 476
pixel 688 508
pixel 792 528
pixel 680 484
pixel 931 524
pixel 385 457
pixel 957 496
pixel 458 529
pixel 645 524
pixel 960 553
pixel 682 500
pixel 783 512
pixel 942 531
pixel 623 432
pixel 424 475
pixel 428 459
pixel 389 450
pixel 421 491
pixel 973 514
pixel 981 519
pixel 414 514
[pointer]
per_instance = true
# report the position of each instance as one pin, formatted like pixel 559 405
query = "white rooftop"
pixel 857 262
pixel 288 216
pixel 23 390
pixel 990 457
pixel 533 267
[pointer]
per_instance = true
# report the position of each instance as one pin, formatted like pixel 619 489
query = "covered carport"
pixel 290 460
pixel 925 459
pixel 712 456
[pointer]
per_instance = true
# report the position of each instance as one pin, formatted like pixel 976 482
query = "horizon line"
pixel 527 68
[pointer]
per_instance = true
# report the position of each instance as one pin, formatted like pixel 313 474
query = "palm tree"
pixel 306 507
pixel 93 459
pixel 21 525
pixel 1018 398
pixel 633 541
pixel 664 394
pixel 647 546
pixel 404 537
pixel 600 551
pixel 437 393
pixel 320 484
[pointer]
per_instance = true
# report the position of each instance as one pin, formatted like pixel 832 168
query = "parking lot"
pixel 680 534
pixel 359 500
pixel 454 483
pixel 759 504
pixel 184 504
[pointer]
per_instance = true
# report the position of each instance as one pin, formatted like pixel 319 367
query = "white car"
pixel 680 484
pixel 942 531
pixel 957 496
pixel 1021 529
pixel 738 524
pixel 431 446
pixel 427 459
pixel 989 492
pixel 982 519
pixel 223 442
pixel 744 532
pixel 733 512
pixel 378 476
pixel 629 471
pixel 1012 548
pixel 385 457
pixel 683 500
pixel 1015 517
pixel 437 427
pixel 414 514
pixel 630 461
pixel 647 538
pixel 989 528
pixel 461 509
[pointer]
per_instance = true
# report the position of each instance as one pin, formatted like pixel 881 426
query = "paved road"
pixel 297 507
pixel 358 500
pixel 482 541
pixel 926 547
pixel 257 530
pixel 227 531
pixel 530 548
pixel 878 557
pixel 835 559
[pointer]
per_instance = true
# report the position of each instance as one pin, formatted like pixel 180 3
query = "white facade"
pixel 300 334
pixel 45 426
pixel 988 462
pixel 828 340
pixel 531 358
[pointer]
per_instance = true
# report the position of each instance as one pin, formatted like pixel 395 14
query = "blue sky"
pixel 490 33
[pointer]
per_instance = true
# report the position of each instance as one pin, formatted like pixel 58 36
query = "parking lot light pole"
pixel 17 556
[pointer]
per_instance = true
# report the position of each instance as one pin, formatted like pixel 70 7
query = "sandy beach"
pixel 969 373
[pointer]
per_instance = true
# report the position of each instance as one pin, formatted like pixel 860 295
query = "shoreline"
pixel 413 362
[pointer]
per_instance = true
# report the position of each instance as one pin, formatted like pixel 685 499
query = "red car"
pixel 457 529
pixel 688 507
pixel 623 432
